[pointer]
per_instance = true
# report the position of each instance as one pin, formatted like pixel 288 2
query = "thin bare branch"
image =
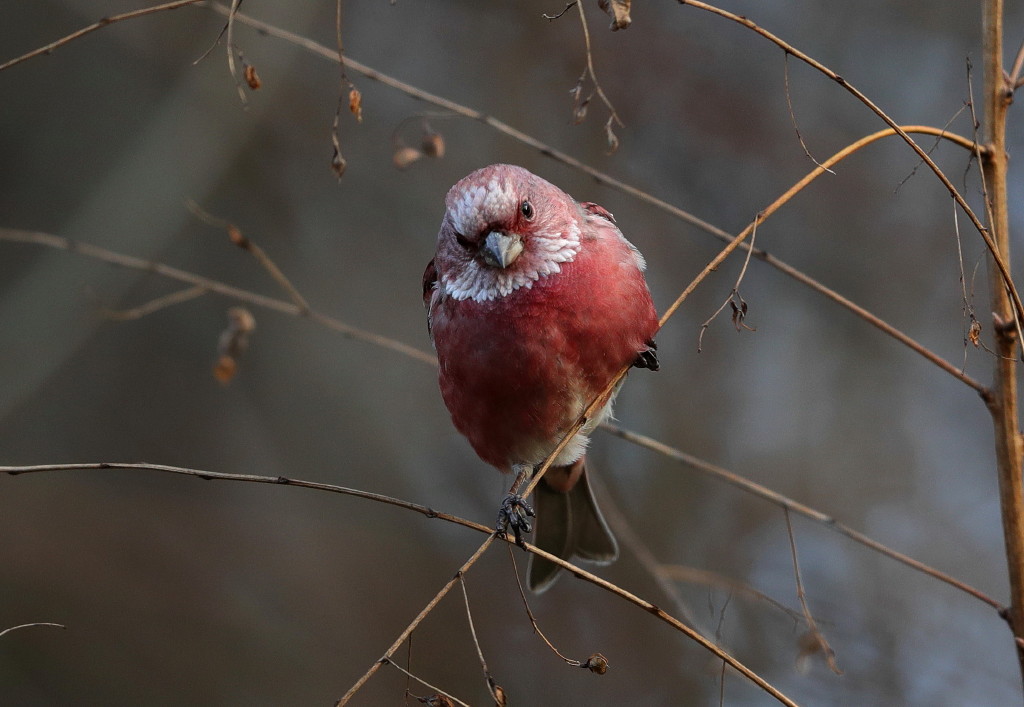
pixel 627 535
pixel 739 311
pixel 533 619
pixel 155 305
pixel 237 238
pixel 249 478
pixel 817 637
pixel 997 257
pixel 417 621
pixel 133 263
pixel 835 296
pixel 421 681
pixel 792 114
pixel 338 162
pixel 230 47
pixel 707 578
pixel 492 686
pixel 100 24
pixel 935 144
pixel 796 507
pixel 1015 79
pixel 614 116
pixel 567 7
pixel 430 513
pixel 38 623
pixel 982 161
pixel 408 666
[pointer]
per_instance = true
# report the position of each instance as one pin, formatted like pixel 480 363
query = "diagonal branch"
pixel 430 513
pixel 134 263
pixel 38 623
pixel 817 638
pixel 795 507
pixel 100 24
pixel 237 238
pixel 997 256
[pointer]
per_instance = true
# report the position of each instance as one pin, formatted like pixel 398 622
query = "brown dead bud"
pixel 355 104
pixel 579 103
pixel 810 645
pixel 436 701
pixel 499 695
pixel 224 370
pixel 338 163
pixel 613 140
pixel 236 237
pixel 619 12
pixel 974 333
pixel 596 663
pixel 252 78
pixel 405 156
pixel 432 145
pixel 739 314
pixel 234 340
pixel 579 111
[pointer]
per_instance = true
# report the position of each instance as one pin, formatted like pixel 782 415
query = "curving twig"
pixel 817 640
pixel 38 623
pixel 100 24
pixel 155 305
pixel 796 507
pixel 221 288
pixel 997 256
pixel 421 681
pixel 497 693
pixel 237 238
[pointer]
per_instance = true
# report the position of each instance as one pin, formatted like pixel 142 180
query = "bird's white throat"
pixel 543 256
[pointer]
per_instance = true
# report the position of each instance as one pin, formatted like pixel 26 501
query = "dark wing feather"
pixel 429 286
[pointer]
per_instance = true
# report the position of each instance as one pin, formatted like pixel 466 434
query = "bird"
pixel 535 302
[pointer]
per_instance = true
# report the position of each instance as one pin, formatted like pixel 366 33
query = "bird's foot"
pixel 515 513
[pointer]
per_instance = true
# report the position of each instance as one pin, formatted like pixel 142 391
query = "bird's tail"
pixel 568 524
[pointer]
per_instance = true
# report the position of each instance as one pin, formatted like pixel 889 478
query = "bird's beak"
pixel 501 249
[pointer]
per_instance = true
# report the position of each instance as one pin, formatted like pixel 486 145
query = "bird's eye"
pixel 527 210
pixel 463 241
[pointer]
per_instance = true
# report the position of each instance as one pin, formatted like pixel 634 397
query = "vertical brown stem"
pixel 1003 401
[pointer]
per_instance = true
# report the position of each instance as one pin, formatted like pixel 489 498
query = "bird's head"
pixel 504 228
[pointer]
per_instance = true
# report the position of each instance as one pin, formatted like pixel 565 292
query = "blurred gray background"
pixel 179 591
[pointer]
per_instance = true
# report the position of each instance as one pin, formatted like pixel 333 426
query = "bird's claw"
pixel 515 513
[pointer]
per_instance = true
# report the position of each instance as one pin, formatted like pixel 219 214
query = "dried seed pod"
pixel 234 340
pixel 596 663
pixel 432 145
pixel 338 163
pixel 405 156
pixel 355 103
pixel 252 78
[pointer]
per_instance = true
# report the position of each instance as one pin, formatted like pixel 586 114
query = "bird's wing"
pixel 429 291
pixel 597 210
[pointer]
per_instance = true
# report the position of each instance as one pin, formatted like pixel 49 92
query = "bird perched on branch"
pixel 535 303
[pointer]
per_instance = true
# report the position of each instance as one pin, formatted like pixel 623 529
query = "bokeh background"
pixel 180 591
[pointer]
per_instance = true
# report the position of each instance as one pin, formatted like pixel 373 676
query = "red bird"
pixel 534 303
